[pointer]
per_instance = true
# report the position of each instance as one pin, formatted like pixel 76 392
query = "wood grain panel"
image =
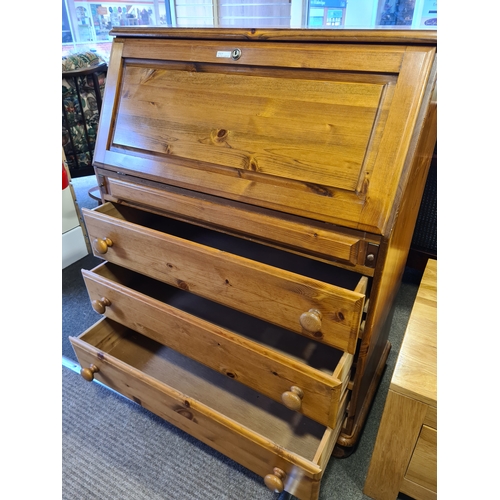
pixel 431 417
pixel 348 57
pixel 415 490
pixel 264 35
pixel 274 444
pixel 399 428
pixel 255 365
pixel 303 199
pixel 423 465
pixel 328 242
pixel 415 374
pixel 109 103
pixel 264 291
pixel 303 130
pixel 318 130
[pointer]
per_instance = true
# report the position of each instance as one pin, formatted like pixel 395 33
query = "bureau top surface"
pixel 415 374
pixel 314 123
pixel 379 35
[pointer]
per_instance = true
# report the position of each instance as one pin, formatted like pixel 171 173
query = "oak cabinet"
pixel 405 454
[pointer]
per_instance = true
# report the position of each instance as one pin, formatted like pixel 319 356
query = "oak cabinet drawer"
pixel 311 298
pixel 422 469
pixel 304 375
pixel 288 449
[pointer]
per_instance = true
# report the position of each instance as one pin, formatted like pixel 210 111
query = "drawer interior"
pixel 239 403
pixel 242 247
pixel 314 354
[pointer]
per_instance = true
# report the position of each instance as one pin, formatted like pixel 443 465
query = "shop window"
pixel 396 12
pixel 67 35
pixel 415 14
pixel 86 24
pixel 326 13
pixel 190 13
pixel 334 17
pixel 247 13
pixel 428 18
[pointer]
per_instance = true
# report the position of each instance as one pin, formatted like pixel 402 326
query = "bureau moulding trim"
pixel 379 35
pixel 378 58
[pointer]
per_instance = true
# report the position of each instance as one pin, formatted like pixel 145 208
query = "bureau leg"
pixel 340 451
pixel 350 440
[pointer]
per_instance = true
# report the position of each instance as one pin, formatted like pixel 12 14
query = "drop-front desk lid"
pixel 317 123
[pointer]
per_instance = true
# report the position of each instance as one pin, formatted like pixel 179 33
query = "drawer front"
pixel 422 469
pixel 313 238
pixel 252 450
pixel 324 312
pixel 318 130
pixel 282 378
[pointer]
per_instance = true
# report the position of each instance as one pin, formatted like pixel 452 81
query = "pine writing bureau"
pixel 259 193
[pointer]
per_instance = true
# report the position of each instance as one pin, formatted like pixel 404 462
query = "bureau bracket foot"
pixel 340 451
pixel 351 440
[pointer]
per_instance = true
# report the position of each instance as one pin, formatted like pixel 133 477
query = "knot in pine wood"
pixel 183 285
pixel 321 190
pixel 185 413
pixel 219 136
pixel 251 163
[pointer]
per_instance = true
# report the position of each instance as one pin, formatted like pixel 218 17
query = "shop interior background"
pixel 86 24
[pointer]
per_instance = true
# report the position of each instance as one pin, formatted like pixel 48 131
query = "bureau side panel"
pixel 390 267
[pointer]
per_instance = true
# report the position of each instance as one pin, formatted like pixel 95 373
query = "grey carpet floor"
pixel 114 449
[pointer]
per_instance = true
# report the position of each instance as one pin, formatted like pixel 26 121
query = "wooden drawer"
pixel 311 298
pixel 303 374
pixel 246 426
pixel 421 474
pixel 319 240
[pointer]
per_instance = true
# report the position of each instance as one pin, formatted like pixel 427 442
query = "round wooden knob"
pixel 275 481
pixel 293 398
pixel 101 245
pixel 88 373
pixel 311 320
pixel 99 306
